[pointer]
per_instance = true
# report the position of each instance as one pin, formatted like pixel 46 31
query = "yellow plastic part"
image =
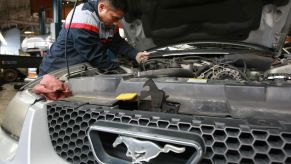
pixel 126 96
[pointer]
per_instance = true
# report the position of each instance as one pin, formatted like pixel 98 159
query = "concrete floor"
pixel 6 94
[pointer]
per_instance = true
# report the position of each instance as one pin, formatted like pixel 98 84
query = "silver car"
pixel 216 89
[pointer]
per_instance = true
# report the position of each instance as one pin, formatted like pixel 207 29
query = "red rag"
pixel 52 88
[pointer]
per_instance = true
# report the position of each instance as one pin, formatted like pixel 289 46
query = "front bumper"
pixel 227 140
pixel 34 145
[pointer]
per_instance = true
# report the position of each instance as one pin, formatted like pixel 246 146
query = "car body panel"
pixel 34 144
pixel 16 111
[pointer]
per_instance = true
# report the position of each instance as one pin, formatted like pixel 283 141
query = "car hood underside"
pixel 161 22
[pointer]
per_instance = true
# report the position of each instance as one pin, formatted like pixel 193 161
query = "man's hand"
pixel 142 56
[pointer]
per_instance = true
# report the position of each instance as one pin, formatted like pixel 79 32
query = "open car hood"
pixel 151 23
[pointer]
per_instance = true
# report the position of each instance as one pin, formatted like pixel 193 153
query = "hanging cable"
pixel 66 38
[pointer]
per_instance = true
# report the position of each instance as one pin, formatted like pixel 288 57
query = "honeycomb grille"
pixel 226 140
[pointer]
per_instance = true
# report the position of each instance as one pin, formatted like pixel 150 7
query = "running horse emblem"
pixel 144 151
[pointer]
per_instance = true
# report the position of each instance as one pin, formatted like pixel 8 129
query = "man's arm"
pixel 87 44
pixel 120 46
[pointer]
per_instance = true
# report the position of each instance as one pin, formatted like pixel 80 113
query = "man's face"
pixel 108 15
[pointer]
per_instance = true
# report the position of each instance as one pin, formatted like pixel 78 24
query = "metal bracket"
pixel 157 102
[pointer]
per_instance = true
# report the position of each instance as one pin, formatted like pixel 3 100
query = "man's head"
pixel 111 11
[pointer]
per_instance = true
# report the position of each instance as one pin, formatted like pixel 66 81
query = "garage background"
pixel 19 20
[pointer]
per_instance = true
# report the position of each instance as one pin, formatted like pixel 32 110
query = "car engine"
pixel 238 65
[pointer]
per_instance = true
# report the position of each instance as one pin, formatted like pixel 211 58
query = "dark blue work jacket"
pixel 88 41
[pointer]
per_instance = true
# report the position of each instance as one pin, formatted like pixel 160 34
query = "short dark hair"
pixel 118 4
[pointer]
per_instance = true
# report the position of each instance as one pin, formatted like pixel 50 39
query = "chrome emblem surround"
pixel 144 151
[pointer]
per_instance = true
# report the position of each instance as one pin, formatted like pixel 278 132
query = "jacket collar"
pixel 93 4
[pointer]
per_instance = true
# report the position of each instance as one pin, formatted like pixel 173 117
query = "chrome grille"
pixel 226 140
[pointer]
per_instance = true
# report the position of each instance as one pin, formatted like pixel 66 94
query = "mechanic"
pixel 93 32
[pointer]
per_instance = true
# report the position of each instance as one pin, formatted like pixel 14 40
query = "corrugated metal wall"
pixel 20 13
pixel 14 9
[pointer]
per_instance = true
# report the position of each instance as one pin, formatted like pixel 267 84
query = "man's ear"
pixel 101 7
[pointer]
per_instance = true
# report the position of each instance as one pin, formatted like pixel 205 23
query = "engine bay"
pixel 209 61
pixel 200 67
